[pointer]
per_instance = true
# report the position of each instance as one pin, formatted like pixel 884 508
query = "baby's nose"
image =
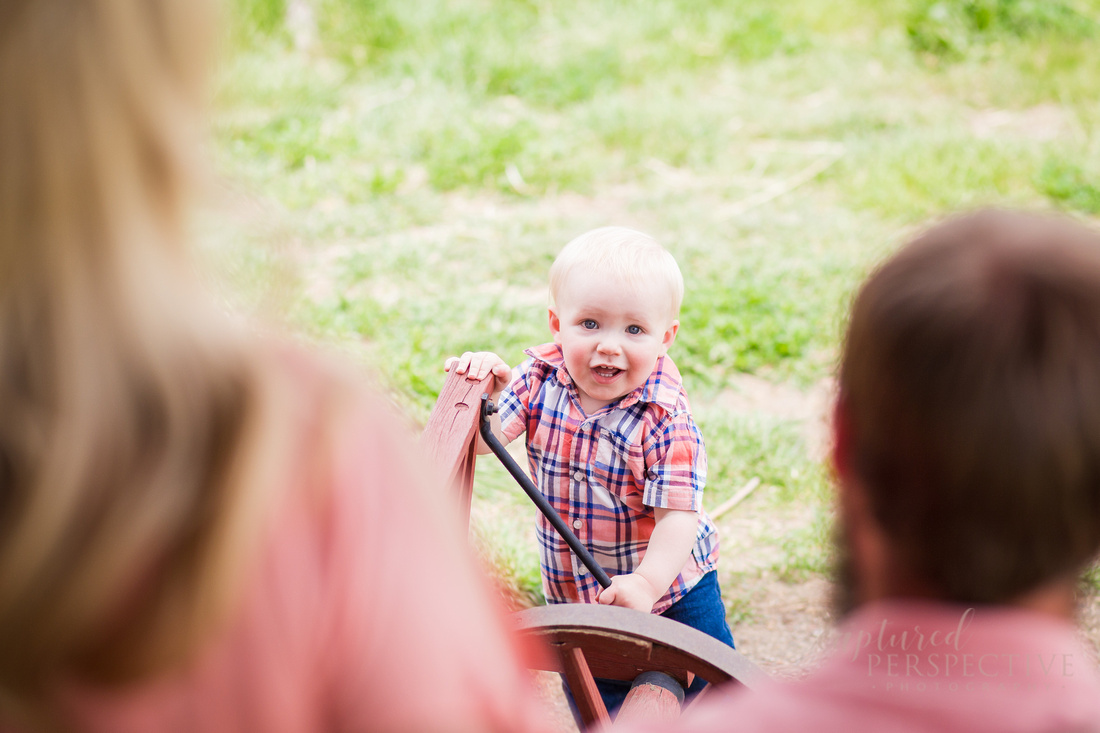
pixel 608 346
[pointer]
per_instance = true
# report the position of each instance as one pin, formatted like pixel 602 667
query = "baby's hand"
pixel 631 591
pixel 477 365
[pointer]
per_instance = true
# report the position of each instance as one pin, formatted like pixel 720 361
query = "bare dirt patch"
pixel 780 623
pixel 752 395
pixel 1042 122
pixel 789 626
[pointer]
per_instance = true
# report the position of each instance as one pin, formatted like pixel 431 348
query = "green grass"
pixel 956 28
pixel 1090 580
pixel 807 551
pixel 1070 185
pixel 773 450
pixel 400 189
pixel 739 611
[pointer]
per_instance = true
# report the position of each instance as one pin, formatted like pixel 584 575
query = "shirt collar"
pixel 662 388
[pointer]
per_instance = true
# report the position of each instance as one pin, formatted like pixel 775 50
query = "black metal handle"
pixel 528 486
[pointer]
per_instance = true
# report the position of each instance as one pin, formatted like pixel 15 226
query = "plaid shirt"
pixel 605 472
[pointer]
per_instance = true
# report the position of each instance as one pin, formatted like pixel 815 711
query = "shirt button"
pixel 578 475
pixel 577 524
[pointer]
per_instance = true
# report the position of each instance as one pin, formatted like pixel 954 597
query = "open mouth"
pixel 606 373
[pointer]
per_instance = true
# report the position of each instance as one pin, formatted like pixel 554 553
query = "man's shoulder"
pixel 840 696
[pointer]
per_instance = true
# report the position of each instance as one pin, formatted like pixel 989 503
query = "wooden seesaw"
pixel 659 656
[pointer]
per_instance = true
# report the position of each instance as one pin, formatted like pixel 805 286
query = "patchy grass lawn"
pixel 398 186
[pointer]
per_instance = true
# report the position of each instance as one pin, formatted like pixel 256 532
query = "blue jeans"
pixel 700 608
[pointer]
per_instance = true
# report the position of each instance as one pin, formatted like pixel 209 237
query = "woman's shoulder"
pixel 338 424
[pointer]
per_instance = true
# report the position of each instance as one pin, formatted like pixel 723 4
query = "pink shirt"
pixel 920 666
pixel 363 612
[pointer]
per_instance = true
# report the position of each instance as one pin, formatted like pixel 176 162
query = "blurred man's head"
pixel 968 419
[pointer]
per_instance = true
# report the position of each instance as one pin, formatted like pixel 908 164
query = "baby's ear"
pixel 669 337
pixel 555 325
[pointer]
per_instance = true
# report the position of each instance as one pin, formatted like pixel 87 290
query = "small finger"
pixel 450 362
pixel 485 365
pixel 477 366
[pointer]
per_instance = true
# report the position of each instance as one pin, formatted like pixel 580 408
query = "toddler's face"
pixel 611 334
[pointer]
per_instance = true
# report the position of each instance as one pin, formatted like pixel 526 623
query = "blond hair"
pixel 134 421
pixel 621 253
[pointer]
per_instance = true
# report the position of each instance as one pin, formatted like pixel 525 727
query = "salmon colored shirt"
pixel 915 666
pixel 363 613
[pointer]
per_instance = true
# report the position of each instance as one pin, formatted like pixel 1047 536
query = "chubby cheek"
pixel 574 362
pixel 644 361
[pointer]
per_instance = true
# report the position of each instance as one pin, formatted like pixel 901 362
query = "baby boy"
pixel 610 436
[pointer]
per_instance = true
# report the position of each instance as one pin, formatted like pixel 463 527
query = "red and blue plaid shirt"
pixel 604 473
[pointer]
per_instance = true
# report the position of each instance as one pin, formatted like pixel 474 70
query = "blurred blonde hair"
pixel 622 253
pixel 134 425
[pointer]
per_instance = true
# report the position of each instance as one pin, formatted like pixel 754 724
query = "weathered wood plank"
pixel 654 698
pixel 621 643
pixel 583 686
pixel 450 437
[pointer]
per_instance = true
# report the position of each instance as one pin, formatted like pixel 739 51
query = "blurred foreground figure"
pixel 199 530
pixel 967 453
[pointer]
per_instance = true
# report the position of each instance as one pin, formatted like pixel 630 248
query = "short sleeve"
pixel 675 463
pixel 514 404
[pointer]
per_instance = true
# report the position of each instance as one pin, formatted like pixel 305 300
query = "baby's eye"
pixel 588 323
pixel 634 330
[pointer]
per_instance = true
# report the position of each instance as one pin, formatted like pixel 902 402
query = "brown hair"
pixel 970 379
pixel 134 423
